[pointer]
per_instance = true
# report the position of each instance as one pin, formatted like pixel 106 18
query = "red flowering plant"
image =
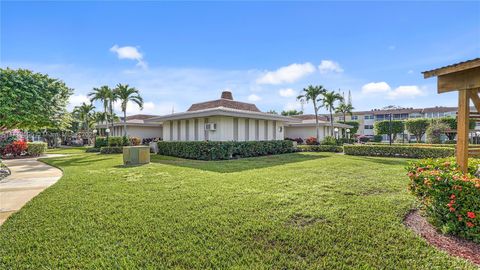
pixel 14 149
pixel 450 198
pixel 311 141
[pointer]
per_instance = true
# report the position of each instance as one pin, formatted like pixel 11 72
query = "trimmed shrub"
pixel 36 148
pixel 416 144
pixel 111 150
pixel 134 141
pixel 398 151
pixel 311 141
pixel 320 148
pixel 100 142
pixel 377 138
pixel 450 198
pixel 92 150
pixel 329 140
pixel 118 141
pixel 223 150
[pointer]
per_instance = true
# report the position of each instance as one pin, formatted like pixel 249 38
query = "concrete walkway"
pixel 28 178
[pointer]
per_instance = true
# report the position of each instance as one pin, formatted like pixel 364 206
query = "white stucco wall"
pixel 225 129
pixel 309 131
pixel 139 131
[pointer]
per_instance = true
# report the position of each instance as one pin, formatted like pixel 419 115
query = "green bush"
pixel 415 144
pixel 111 150
pixel 36 148
pixel 450 198
pixel 92 150
pixel 329 140
pixel 223 150
pixel 320 148
pixel 100 142
pixel 118 141
pixel 398 151
pixel 377 138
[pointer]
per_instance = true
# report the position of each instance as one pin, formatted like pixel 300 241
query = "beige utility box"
pixel 135 155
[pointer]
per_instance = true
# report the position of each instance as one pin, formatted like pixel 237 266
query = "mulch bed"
pixel 453 245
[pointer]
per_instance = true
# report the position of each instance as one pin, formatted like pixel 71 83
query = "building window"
pixel 354 117
pixel 341 118
pixel 369 117
pixel 368 127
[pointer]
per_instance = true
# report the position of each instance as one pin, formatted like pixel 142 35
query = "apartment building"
pixel 367 119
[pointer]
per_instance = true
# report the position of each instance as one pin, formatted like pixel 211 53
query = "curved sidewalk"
pixel 28 178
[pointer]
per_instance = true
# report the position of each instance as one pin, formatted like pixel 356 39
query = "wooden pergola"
pixel 463 77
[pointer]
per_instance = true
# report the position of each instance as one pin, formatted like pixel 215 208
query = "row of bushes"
pixel 398 151
pixel 23 148
pixel 111 150
pixel 450 198
pixel 416 144
pixel 320 148
pixel 223 150
pixel 115 141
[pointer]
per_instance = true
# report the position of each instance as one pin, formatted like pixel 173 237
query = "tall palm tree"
pixel 311 93
pixel 85 113
pixel 106 96
pixel 125 93
pixel 328 101
pixel 344 109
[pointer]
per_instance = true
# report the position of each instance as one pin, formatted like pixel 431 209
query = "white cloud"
pixel 287 74
pixel 129 52
pixel 329 66
pixel 375 88
pixel 405 91
pixel 287 92
pixel 254 98
pixel 77 100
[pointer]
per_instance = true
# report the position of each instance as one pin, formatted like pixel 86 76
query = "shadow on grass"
pixel 383 160
pixel 236 165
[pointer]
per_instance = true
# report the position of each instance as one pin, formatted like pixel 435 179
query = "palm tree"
pixel 125 93
pixel 344 109
pixel 311 93
pixel 85 113
pixel 328 101
pixel 106 96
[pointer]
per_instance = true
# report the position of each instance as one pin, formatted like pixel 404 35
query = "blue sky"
pixel 264 52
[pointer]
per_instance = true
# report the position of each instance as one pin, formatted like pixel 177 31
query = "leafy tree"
pixel 32 100
pixel 417 127
pixel 272 112
pixel 312 93
pixel 344 109
pixel 383 127
pixel 105 95
pixel 291 112
pixel 435 131
pixel 328 101
pixel 85 113
pixel 451 122
pixel 125 93
pixel 354 124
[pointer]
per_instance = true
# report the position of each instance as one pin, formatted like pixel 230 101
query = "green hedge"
pixel 450 198
pixel 398 151
pixel 100 142
pixel 416 144
pixel 223 150
pixel 111 150
pixel 320 148
pixel 118 141
pixel 36 148
pixel 92 150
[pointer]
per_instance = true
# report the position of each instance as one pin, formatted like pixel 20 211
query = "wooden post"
pixel 462 129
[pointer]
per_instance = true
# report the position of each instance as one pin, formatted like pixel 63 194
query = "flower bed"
pixel 320 148
pixel 450 198
pixel 398 151
pixel 223 150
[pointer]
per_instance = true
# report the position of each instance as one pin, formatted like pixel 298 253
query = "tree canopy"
pixel 354 124
pixel 451 122
pixel 32 100
pixel 291 112
pixel 417 127
pixel 383 127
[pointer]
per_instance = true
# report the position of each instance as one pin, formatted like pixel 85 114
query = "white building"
pixel 223 120
pixel 136 127
pixel 308 128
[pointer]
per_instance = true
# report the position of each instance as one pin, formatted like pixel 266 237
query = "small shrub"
pixel 311 141
pixel 111 150
pixel 118 141
pixel 450 198
pixel 329 140
pixel 36 148
pixel 398 151
pixel 435 131
pixel 320 148
pixel 14 149
pixel 92 150
pixel 377 138
pixel 134 141
pixel 100 142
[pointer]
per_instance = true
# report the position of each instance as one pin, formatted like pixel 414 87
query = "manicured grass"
pixel 292 211
pixel 67 150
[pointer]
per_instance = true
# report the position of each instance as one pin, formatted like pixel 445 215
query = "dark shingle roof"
pixel 227 103
pixel 310 117
pixel 139 117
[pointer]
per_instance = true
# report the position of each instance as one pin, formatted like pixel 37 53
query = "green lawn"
pixel 293 211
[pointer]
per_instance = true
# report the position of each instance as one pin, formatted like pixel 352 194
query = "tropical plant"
pixel 85 113
pixel 105 95
pixel 389 127
pixel 291 112
pixel 328 101
pixel 32 100
pixel 435 130
pixel 417 127
pixel 125 93
pixel 344 109
pixel 312 93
